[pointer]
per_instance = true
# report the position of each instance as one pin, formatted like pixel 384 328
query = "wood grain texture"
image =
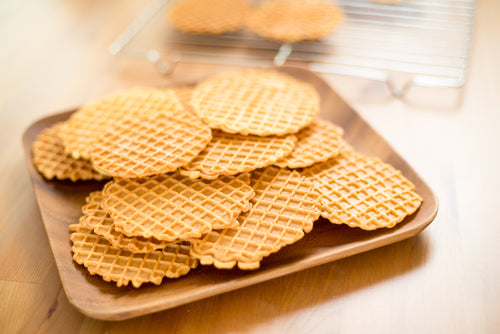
pixel 60 203
pixel 445 280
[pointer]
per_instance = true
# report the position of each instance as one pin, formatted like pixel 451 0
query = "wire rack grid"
pixel 427 40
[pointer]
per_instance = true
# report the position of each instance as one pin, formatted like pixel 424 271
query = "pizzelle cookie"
pixel 93 214
pixel 261 102
pixel 318 142
pixel 294 20
pixel 148 144
pixel 102 224
pixel 230 154
pixel 362 191
pixel 81 131
pixel 174 207
pixel 208 17
pixel 52 161
pixel 283 209
pixel 184 94
pixel 124 267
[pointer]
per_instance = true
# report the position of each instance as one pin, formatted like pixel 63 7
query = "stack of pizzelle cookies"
pixel 224 173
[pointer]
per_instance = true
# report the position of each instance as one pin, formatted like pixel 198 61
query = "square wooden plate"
pixel 60 203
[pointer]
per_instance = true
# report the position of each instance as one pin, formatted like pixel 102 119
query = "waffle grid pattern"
pixel 172 207
pixel 89 122
pixel 318 142
pixel 102 224
pixel 52 161
pixel 294 21
pixel 124 267
pixel 284 207
pixel 208 17
pixel 230 154
pixel 363 192
pixel 259 102
pixel 184 94
pixel 93 214
pixel 148 145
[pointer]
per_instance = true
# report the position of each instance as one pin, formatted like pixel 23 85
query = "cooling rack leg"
pixel 282 55
pixel 163 66
pixel 399 91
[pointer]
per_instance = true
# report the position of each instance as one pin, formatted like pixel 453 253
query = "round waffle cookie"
pixel 255 101
pixel 89 122
pixel 208 17
pixel 184 94
pixel 362 191
pixel 283 208
pixel 230 154
pixel 318 142
pixel 52 161
pixel 172 207
pixel 147 145
pixel 122 266
pixel 294 21
pixel 100 221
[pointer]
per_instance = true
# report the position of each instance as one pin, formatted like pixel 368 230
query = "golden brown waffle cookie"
pixel 362 191
pixel 174 207
pixel 208 17
pixel 122 266
pixel 294 20
pixel 184 94
pixel 53 162
pixel 230 154
pixel 93 214
pixel 255 101
pixel 284 207
pixel 318 142
pixel 102 224
pixel 148 145
pixel 89 122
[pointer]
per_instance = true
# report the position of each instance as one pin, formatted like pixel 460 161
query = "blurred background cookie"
pixel 208 17
pixel 294 20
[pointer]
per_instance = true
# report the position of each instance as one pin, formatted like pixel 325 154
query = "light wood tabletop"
pixel 444 280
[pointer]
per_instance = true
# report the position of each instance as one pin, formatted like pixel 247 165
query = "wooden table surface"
pixel 445 280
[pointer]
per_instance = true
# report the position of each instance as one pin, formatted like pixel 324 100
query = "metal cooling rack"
pixel 426 40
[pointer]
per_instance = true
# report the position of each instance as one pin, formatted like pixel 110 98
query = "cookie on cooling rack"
pixel 294 20
pixel 211 17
